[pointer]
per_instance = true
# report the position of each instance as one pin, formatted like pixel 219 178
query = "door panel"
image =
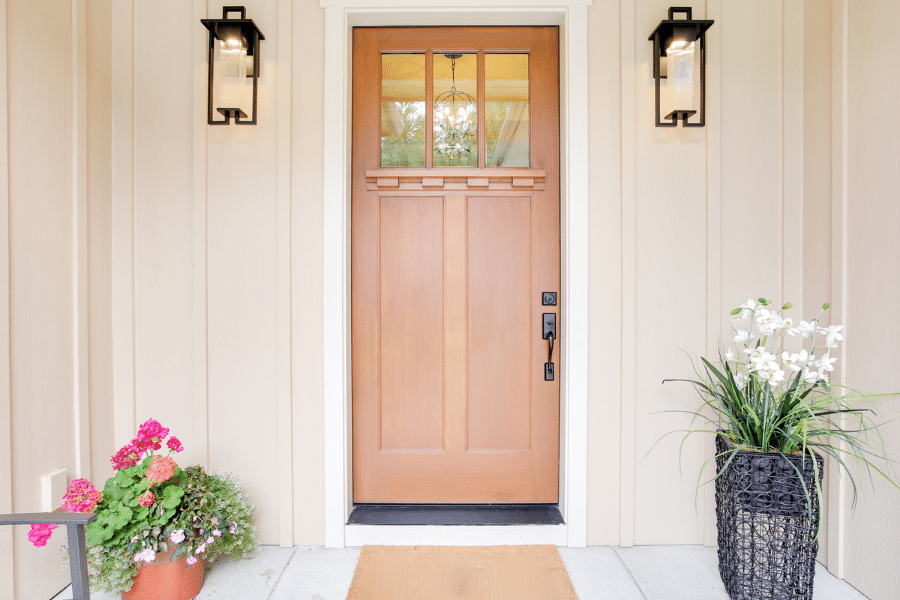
pixel 500 320
pixel 448 266
pixel 411 323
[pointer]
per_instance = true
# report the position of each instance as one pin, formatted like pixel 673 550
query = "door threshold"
pixel 456 514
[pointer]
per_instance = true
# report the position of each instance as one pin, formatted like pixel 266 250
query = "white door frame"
pixel 571 17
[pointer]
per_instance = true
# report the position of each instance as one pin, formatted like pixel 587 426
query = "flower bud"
pixel 736 312
pixel 788 306
pixel 826 306
pixel 764 302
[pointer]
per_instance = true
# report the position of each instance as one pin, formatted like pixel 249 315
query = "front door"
pixel 455 262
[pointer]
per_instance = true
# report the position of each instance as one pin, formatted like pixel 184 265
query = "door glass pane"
pixel 506 107
pixel 402 110
pixel 455 110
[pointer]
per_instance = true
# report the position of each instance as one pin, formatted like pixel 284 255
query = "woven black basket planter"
pixel 767 533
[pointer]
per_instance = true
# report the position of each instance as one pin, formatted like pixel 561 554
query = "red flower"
pixel 147 498
pixel 174 444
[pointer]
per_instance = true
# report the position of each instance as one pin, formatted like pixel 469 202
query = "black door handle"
pixel 549 334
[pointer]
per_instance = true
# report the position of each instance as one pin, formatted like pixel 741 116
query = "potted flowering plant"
pixel 774 411
pixel 153 513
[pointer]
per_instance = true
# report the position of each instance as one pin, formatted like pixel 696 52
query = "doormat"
pixel 460 573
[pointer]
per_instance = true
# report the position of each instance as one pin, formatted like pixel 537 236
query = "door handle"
pixel 549 334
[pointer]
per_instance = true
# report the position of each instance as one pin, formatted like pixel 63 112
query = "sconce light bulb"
pixel 677 45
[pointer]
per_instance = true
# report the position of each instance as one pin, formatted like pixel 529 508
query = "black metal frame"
pixel 250 31
pixel 75 524
pixel 665 31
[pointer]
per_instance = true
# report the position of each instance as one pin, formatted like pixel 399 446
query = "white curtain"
pixel 512 147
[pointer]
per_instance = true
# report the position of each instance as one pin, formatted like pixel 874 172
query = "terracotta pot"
pixel 167 579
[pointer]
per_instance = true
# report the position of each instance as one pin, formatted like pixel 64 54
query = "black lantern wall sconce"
pixel 233 63
pixel 679 57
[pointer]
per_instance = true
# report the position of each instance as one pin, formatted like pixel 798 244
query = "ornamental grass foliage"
pixel 150 505
pixel 771 392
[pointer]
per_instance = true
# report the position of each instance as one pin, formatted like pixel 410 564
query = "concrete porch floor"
pixel 640 573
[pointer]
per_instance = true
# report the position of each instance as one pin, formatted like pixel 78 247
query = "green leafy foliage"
pixel 787 407
pixel 151 504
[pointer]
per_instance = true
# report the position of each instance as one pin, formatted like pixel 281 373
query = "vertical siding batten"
pixel 283 276
pixel 838 508
pixel 713 224
pixel 629 275
pixel 200 317
pixel 7 589
pixel 80 335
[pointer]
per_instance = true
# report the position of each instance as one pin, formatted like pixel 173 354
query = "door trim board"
pixel 572 18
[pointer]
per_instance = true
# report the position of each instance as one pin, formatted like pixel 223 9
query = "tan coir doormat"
pixel 460 573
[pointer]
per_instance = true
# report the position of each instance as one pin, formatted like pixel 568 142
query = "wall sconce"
pixel 233 60
pixel 679 57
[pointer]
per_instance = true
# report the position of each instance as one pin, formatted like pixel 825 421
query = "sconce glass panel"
pixel 507 110
pixel 402 110
pixel 681 89
pixel 233 86
pixel 455 110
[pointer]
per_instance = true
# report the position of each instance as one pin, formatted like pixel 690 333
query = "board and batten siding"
pixel 870 261
pixel 45 176
pixel 189 259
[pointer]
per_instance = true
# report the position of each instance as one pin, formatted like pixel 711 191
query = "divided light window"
pixel 455 110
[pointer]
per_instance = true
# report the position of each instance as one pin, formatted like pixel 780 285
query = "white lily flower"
pixel 742 337
pixel 741 379
pixel 795 361
pixel 825 363
pixel 830 329
pixel 767 319
pixel 810 376
pixel 750 308
pixel 729 355
pixel 806 329
pixel 755 353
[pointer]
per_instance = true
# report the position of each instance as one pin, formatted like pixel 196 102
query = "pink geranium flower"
pixel 161 469
pixel 81 496
pixel 40 533
pixel 147 498
pixel 151 434
pixel 127 456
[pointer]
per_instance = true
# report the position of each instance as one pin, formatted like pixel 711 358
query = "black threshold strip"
pixel 455 514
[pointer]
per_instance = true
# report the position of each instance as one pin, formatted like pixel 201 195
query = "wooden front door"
pixel 455 240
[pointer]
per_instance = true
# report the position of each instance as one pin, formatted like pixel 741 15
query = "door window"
pixel 475 106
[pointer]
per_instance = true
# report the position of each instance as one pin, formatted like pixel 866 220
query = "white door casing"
pixel 571 17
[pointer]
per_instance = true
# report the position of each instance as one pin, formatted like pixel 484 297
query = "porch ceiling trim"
pixel 340 17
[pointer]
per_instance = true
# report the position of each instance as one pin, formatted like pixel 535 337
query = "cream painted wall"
pixel 42 204
pixel 687 224
pixel 872 276
pixel 675 216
